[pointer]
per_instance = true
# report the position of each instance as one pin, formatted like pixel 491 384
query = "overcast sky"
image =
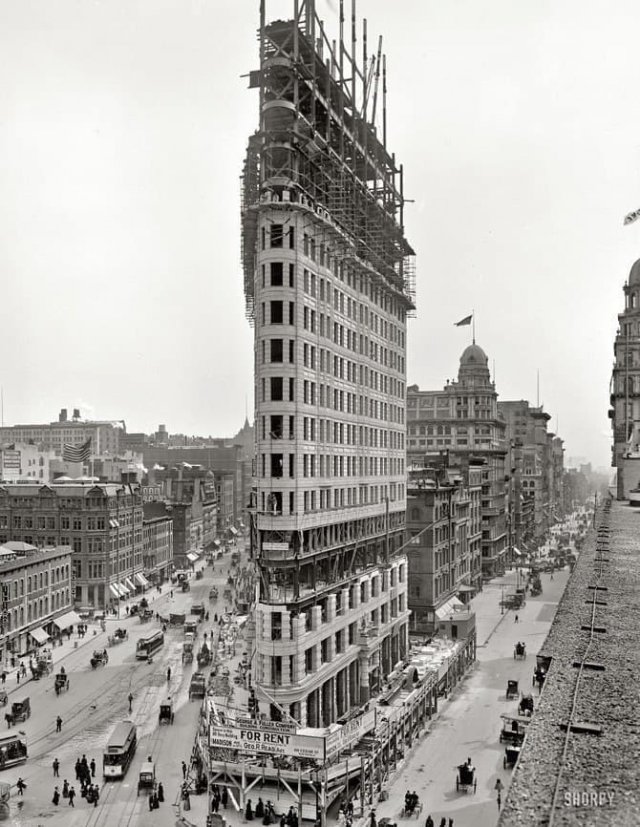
pixel 123 127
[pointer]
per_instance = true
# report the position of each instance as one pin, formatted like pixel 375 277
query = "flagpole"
pixel 473 325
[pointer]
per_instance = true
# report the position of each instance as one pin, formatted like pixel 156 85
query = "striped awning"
pixel 66 620
pixel 141 580
pixel 129 584
pixel 114 590
pixel 124 591
pixel 191 557
pixel 39 635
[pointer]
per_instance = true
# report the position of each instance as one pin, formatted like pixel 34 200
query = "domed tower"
pixel 474 369
pixel 625 389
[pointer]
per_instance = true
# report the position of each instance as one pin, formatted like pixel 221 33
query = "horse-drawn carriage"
pixel 539 675
pixel 99 658
pixel 520 651
pixel 165 716
pixel 513 729
pixel 199 574
pixel 197 687
pixel 512 690
pixel 20 711
pixel 466 780
pixel 185 586
pixel 118 636
pixel 147 777
pixel 525 707
pixel 145 615
pixel 228 593
pixel 204 655
pixel 511 754
pixel 187 651
pixel 40 669
pixel 412 806
pixel 61 683
pixel 213 593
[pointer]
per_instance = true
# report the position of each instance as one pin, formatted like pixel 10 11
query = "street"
pixel 97 701
pixel 468 724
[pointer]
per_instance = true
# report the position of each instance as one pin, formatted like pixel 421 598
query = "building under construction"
pixel 329 282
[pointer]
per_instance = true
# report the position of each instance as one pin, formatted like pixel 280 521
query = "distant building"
pixel 35 592
pixel 101 523
pixel 625 389
pixel 104 434
pixel 157 545
pixel 463 420
pixel 25 461
pixel 442 519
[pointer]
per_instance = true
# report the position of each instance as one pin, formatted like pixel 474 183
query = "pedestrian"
pixel 429 822
pixel 184 770
pixel 20 784
pixel 450 822
pixel 150 801
pixel 224 797
pixel 93 767
pixel 4 677
pixel 160 792
pixel 372 819
pixel 130 700
pixel 72 795
pixel 498 788
pixel 58 724
pixel 65 789
pixel 56 768
pixel 516 618
pixel 56 797
pixel 96 795
pixel 23 669
pixel 78 769
pixel 18 676
pixel 168 674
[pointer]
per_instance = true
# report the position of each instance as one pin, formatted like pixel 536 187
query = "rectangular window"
pixel 276 235
pixel 276 384
pixel 277 350
pixel 276 273
pixel 276 312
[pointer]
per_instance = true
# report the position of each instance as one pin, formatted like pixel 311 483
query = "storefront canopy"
pixel 191 557
pixel 129 584
pixel 141 579
pixel 465 588
pixel 66 620
pixel 216 543
pixel 517 551
pixel 114 590
pixel 233 530
pixel 449 608
pixel 124 591
pixel 39 635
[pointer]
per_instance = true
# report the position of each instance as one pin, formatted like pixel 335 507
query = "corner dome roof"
pixel 634 275
pixel 475 355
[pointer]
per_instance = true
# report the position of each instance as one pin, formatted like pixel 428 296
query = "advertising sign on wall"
pixel 257 738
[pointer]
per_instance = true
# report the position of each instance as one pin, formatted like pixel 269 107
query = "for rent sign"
pixel 256 738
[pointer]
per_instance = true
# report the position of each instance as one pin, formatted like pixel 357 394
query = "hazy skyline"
pixel 123 127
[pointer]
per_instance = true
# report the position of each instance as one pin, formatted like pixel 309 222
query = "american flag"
pixel 77 453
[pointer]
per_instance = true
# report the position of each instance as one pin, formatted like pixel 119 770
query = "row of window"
pixel 14 619
pixel 340 335
pixel 272 389
pixel 326 465
pixel 275 502
pixel 331 431
pixel 280 236
pixel 66 523
pixel 35 582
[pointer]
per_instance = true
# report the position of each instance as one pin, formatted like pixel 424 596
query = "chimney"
pixel 76 414
pixel 63 415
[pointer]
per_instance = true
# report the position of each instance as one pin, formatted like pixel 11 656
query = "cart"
pixel 185 586
pixel 512 690
pixel 99 659
pixel 466 781
pixel 20 711
pixel 118 636
pixel 61 683
pixel 513 729
pixel 511 754
pixel 204 655
pixel 213 594
pixel 147 777
pixel 187 651
pixel 198 609
pixel 525 707
pixel 165 716
pixel 145 615
pixel 197 687
pixel 520 651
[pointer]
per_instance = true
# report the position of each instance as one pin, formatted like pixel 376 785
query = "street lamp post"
pixel 502 600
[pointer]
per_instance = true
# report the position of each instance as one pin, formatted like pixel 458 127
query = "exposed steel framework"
pixel 318 147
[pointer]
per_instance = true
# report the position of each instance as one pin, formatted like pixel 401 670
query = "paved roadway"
pixel 468 724
pixel 95 702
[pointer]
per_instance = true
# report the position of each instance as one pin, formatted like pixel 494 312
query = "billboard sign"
pixel 256 738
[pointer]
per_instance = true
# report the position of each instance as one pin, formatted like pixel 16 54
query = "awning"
pixel 66 620
pixel 464 588
pixel 124 591
pixel 114 590
pixel 39 635
pixel 114 523
pixel 449 608
pixel 517 551
pixel 141 579
pixel 233 530
pixel 216 543
pixel 129 584
pixel 191 557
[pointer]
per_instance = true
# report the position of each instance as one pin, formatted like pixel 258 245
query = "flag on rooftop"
pixel 631 217
pixel 77 453
pixel 462 322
